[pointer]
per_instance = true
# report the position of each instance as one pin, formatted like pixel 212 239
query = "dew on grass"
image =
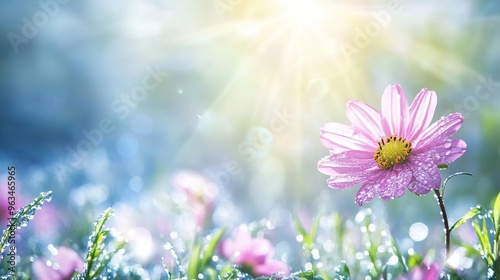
pixel 490 273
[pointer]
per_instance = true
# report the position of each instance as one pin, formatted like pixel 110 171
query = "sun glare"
pixel 304 13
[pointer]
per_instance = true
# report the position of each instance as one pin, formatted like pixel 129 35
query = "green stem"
pixel 447 231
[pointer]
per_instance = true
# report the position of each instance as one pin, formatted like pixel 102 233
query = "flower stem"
pixel 439 198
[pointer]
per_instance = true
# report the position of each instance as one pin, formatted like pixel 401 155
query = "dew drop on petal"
pixel 447 145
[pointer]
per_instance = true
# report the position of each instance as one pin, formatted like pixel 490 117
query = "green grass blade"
pixel 22 217
pixel 496 213
pixel 342 272
pixel 474 211
pixel 298 226
pixel 194 261
pixel 397 252
pixel 211 247
pixel 95 246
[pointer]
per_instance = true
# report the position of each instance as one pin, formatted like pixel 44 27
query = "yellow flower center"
pixel 391 151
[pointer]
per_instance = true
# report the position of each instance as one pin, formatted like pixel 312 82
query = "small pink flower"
pixel 254 255
pixel 423 272
pixel 64 264
pixel 392 150
pixel 199 194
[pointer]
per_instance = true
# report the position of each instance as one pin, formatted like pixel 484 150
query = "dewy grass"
pixel 22 217
pixel 379 255
pixel 406 152
pixel 98 257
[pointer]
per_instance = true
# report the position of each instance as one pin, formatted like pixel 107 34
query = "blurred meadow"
pixel 124 104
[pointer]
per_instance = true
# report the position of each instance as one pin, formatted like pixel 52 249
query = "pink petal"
pixel 242 235
pixel 366 193
pixel 68 261
pixel 270 267
pixel 227 248
pixel 259 250
pixel 395 110
pixel 394 183
pixel 340 138
pixel 371 187
pixel 349 162
pixel 425 174
pixel 449 151
pixel 366 119
pixel 437 133
pixel 347 169
pixel 44 272
pixel 345 181
pixel 421 113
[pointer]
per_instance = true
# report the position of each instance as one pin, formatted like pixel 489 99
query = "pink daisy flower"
pixel 254 254
pixel 64 264
pixel 392 150
pixel 423 272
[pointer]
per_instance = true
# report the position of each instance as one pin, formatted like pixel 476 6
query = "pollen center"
pixel 391 151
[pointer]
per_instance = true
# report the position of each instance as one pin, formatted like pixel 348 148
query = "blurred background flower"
pixel 255 255
pixel 197 194
pixel 63 263
pixel 424 272
pixel 105 103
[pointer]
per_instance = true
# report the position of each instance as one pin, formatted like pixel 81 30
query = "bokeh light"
pixel 110 105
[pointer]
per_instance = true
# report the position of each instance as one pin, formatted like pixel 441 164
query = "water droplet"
pixel 447 145
pixel 47 196
pixel 23 222
pixel 447 153
pixel 490 273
